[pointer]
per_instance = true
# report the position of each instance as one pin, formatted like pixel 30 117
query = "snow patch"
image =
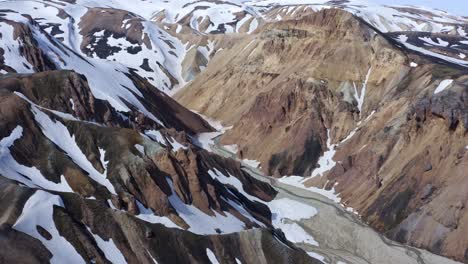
pixel 56 132
pixel 316 256
pixel 39 211
pixel 110 250
pixel 211 256
pixel 29 176
pixel 443 84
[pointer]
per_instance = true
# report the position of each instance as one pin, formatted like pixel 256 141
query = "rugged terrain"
pixel 363 104
pixel 331 98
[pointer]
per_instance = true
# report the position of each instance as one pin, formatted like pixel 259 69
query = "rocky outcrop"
pixel 81 220
pixel 293 64
pixel 328 83
pixel 34 56
pixel 68 175
pixel 69 92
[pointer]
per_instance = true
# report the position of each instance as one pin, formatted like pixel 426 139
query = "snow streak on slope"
pixel 403 39
pixel 39 212
pixel 360 97
pixel 58 133
pixel 110 250
pixel 29 176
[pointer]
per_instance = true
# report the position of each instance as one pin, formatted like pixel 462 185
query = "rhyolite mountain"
pixel 101 160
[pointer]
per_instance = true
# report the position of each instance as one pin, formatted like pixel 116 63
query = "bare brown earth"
pixel 404 168
pixel 137 177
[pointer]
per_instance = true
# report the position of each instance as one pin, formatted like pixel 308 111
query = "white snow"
pixel 201 223
pixel 56 132
pixel 233 181
pixel 149 216
pixel 443 84
pixel 461 55
pixel 11 47
pixel 316 256
pixel 110 250
pixel 360 97
pixel 157 136
pixel 440 42
pixel 413 64
pixel 154 260
pixel 38 211
pixel 284 212
pixel 11 169
pixel 73 104
pixel 251 163
pixel 175 144
pixel 206 140
pixel 140 148
pixel 326 162
pixel 178 29
pixel 211 256
pixel 403 40
pixel 232 148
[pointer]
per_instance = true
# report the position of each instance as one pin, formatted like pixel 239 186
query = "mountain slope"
pixel 94 192
pixel 99 165
pixel 329 98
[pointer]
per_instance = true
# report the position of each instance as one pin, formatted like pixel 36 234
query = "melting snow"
pixel 110 250
pixel 403 40
pixel 360 98
pixel 140 148
pixel 286 209
pixel 56 132
pixel 149 216
pixel 211 256
pixel 440 42
pixel 232 148
pixel 251 163
pixel 443 84
pixel 38 211
pixel 316 256
pixel 11 169
pixel 326 161
pixel 156 135
pixel 201 223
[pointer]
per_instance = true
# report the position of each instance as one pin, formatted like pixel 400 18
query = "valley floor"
pixel 341 236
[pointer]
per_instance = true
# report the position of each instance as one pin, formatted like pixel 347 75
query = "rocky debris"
pixel 451 105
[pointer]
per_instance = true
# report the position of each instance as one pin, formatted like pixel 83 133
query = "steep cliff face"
pixel 286 87
pixel 329 98
pixel 73 175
